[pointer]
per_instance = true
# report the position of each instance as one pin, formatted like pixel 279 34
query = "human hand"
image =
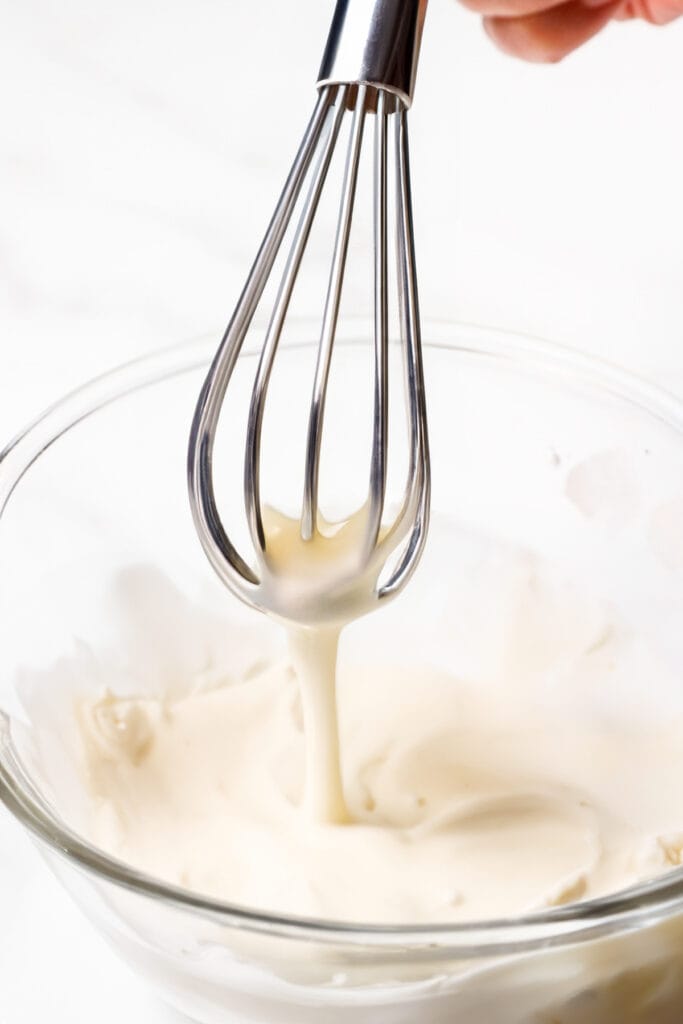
pixel 545 31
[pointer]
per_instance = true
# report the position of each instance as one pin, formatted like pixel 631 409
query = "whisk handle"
pixel 375 42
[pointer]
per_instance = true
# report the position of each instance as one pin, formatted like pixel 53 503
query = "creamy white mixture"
pixel 450 818
pixel 432 797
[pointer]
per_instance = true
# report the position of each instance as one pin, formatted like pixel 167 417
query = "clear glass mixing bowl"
pixel 98 483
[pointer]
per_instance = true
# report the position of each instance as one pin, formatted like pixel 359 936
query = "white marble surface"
pixel 141 148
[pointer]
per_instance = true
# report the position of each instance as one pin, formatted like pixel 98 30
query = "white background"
pixel 142 145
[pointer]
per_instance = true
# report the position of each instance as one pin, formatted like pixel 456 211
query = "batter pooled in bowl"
pixel 505 779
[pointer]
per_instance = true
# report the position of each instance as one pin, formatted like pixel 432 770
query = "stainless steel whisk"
pixel 368 68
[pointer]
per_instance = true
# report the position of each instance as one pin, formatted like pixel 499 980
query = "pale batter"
pixel 458 798
pixel 452 819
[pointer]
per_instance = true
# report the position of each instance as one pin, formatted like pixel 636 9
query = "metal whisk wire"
pixel 364 97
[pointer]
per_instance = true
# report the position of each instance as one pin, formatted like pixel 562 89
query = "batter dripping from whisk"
pixel 296 565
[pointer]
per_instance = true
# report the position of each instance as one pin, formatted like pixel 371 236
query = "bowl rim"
pixel 626 910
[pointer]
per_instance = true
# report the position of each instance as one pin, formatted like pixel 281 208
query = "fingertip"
pixel 549 36
pixel 517 38
pixel 656 12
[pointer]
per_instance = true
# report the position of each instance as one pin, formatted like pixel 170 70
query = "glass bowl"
pixel 532 445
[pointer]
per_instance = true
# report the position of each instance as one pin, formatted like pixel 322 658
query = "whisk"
pixel 368 69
